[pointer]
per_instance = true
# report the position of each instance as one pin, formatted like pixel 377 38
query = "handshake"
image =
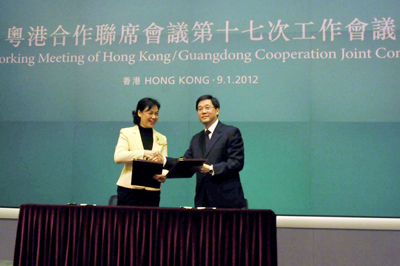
pixel 154 156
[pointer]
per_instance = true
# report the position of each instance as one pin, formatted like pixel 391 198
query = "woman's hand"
pixel 160 178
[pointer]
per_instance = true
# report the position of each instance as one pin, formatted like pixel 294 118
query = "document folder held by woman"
pixel 143 172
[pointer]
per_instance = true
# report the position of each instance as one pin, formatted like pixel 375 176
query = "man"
pixel 218 181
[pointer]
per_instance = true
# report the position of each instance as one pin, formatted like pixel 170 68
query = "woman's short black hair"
pixel 214 100
pixel 143 105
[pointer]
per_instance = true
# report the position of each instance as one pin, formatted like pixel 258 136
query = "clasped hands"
pixel 153 156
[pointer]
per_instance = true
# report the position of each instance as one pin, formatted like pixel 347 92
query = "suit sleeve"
pixel 188 155
pixel 234 159
pixel 164 151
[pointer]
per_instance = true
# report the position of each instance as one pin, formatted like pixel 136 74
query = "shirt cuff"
pixel 211 170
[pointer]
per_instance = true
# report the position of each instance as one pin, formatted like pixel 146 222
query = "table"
pixel 108 235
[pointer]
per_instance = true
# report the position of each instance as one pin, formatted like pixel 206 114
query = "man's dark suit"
pixel 226 153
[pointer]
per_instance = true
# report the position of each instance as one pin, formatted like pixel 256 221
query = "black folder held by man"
pixel 184 168
pixel 143 172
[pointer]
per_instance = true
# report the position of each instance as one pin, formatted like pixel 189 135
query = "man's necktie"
pixel 207 137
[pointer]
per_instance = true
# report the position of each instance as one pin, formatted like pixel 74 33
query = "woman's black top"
pixel 147 137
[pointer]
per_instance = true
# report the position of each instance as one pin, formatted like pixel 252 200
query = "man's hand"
pixel 204 169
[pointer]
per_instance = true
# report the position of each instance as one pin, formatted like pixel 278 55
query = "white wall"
pixel 302 246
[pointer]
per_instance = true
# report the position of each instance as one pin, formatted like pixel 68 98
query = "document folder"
pixel 183 168
pixel 143 172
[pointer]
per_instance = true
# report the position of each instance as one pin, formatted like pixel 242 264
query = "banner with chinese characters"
pixel 312 86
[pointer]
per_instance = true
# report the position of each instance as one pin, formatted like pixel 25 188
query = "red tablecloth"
pixel 104 235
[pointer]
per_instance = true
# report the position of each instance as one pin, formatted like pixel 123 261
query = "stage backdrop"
pixel 313 87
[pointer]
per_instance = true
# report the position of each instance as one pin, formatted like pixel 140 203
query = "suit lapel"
pixel 202 143
pixel 156 145
pixel 215 136
pixel 136 138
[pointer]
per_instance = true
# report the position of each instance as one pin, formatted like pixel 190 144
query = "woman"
pixel 140 142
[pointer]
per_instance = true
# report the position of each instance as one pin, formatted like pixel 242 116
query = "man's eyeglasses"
pixel 207 108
